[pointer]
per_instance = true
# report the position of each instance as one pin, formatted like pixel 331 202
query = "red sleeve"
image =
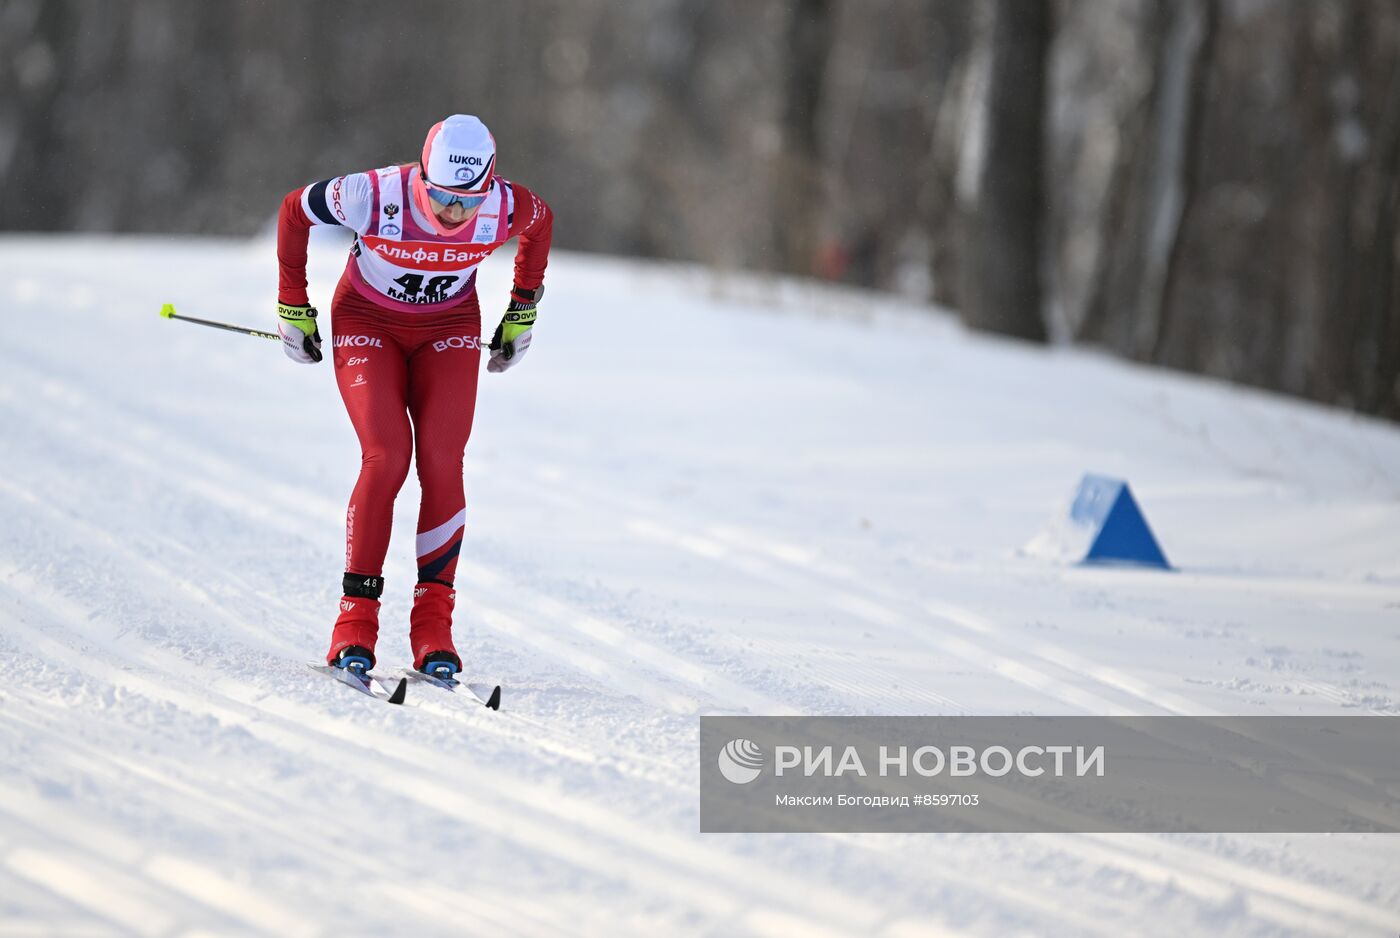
pixel 534 223
pixel 293 231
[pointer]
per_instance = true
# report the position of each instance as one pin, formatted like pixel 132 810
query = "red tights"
pixel 409 384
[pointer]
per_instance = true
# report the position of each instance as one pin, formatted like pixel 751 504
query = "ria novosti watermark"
pixel 1286 774
pixel 931 761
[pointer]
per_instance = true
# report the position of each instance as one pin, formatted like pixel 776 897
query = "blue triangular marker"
pixel 1119 532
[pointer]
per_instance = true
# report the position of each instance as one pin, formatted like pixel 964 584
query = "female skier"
pixel 406 327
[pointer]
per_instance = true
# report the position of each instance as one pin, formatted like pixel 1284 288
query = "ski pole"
pixel 168 312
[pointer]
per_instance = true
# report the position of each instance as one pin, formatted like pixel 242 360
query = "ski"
pixel 389 690
pixel 488 695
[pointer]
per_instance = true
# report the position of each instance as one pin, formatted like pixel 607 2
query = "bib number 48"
pixel 435 289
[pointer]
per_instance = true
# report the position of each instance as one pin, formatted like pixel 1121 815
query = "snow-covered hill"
pixel 693 497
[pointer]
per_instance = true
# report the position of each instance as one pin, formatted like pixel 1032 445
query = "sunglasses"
pixel 450 197
pixel 447 198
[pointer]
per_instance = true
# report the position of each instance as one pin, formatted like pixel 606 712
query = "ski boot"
pixel 354 658
pixel 357 626
pixel 443 665
pixel 430 631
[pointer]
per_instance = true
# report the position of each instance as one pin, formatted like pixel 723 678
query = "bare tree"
pixel 801 182
pixel 1226 194
pixel 1150 181
pixel 1001 272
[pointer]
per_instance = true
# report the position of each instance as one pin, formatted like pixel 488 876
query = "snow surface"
pixel 697 495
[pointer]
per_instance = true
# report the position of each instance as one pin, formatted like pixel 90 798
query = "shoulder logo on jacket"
pixel 335 198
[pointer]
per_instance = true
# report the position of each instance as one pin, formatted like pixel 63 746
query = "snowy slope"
pixel 693 497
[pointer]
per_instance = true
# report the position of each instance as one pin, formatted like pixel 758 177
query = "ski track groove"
pixel 1268 887
pixel 618 672
pixel 156 576
pixel 1216 880
pixel 150 688
pixel 501 726
pixel 50 912
pixel 1239 583
pixel 302 747
pixel 1273 893
pixel 857 681
pixel 558 611
pixel 716 685
pixel 226 808
pixel 557 742
pixel 1206 893
pixel 102 890
pixel 882 608
pixel 705 549
pixel 887 619
pixel 657 859
pixel 159 576
pixel 1070 662
pixel 1271 888
pixel 614 676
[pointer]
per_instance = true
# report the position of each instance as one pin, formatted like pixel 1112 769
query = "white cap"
pixel 460 152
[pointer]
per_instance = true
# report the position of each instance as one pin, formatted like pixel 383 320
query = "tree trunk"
pixel 801 181
pixel 1002 281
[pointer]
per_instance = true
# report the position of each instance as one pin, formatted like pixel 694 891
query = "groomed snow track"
pixel 743 504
